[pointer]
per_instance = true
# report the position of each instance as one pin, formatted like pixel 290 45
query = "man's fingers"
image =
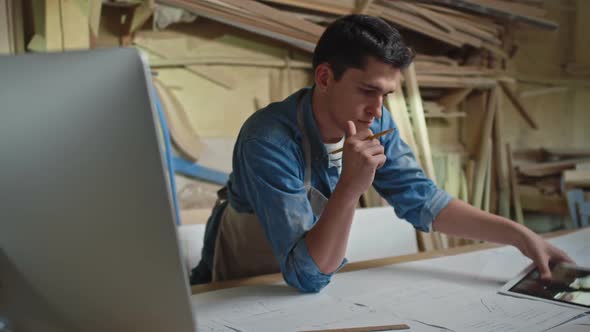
pixel 544 271
pixel 563 257
pixel 374 149
pixel 350 129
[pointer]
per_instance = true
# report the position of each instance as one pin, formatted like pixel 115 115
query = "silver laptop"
pixel 87 229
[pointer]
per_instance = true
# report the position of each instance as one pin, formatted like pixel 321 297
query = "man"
pixel 290 203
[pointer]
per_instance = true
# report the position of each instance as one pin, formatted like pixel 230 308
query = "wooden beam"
pixel 418 120
pixel 514 187
pixel 53 26
pixel 75 25
pixel 550 168
pixel 334 7
pixel 5 39
pixel 94 11
pixel 483 157
pixel 215 75
pixel 228 61
pixel 543 91
pixel 487 190
pixel 362 6
pixel 503 179
pixel 577 179
pixel 568 152
pixel 256 25
pixel 278 16
pixel 452 99
pixel 500 10
pixel 532 199
pixel 518 105
pixel 396 104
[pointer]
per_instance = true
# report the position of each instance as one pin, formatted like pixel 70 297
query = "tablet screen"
pixel 570 284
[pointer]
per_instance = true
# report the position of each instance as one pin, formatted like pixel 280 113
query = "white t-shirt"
pixel 335 160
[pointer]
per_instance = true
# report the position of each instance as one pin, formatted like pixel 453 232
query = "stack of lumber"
pixel 458 23
pixel 11 27
pixel 459 77
pixel 545 175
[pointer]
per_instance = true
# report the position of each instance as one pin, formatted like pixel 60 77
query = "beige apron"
pixel 241 248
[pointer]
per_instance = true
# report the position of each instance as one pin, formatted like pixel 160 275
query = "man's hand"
pixel 463 220
pixel 542 253
pixel 360 159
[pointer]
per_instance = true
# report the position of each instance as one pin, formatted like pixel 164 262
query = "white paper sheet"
pixel 455 292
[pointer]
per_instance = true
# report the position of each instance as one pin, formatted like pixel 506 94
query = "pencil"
pixel 385 132
pixel 367 328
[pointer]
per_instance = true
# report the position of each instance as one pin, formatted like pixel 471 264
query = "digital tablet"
pixel 569 286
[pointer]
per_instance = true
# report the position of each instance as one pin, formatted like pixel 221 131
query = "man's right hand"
pixel 360 159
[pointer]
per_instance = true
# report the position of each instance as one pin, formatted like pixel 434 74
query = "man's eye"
pixel 366 91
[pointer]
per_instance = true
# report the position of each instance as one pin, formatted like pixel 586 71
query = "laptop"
pixel 88 239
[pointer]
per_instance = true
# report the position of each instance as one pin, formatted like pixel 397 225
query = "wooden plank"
pixel 417 24
pixel 483 158
pixel 396 104
pixel 182 134
pixel 228 61
pixel 550 168
pixel 514 187
pixel 362 6
pixel 543 91
pixel 442 60
pixel 433 81
pixel 5 42
pixel 577 179
pixel 419 122
pixel 141 15
pixel 428 15
pixel 334 7
pixel 255 25
pixel 499 10
pixel 75 26
pixel 516 8
pixel 440 115
pixel 94 11
pixel 10 26
pixel 568 152
pixel 518 105
pixel 53 26
pixel 451 100
pixel 487 189
pixel 18 26
pixel 503 179
pixel 532 199
pixel 215 75
pixel 278 16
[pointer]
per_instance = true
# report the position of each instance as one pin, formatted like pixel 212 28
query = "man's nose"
pixel 376 108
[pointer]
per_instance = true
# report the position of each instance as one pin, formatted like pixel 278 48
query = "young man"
pixel 290 203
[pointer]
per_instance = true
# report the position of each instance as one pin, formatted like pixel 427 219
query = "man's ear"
pixel 323 76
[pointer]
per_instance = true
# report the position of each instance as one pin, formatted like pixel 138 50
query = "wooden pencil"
pixel 367 328
pixel 385 132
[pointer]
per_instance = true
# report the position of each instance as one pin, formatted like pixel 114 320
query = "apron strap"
pixel 306 146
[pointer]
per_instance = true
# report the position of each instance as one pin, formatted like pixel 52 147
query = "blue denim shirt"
pixel 268 176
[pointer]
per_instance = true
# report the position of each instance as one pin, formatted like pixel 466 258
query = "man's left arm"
pixel 461 219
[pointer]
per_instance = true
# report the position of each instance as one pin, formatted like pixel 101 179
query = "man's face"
pixel 358 95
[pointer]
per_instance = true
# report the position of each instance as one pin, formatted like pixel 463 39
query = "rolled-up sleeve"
pixel 272 177
pixel 402 182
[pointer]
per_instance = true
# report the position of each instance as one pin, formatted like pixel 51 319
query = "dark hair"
pixel 349 40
